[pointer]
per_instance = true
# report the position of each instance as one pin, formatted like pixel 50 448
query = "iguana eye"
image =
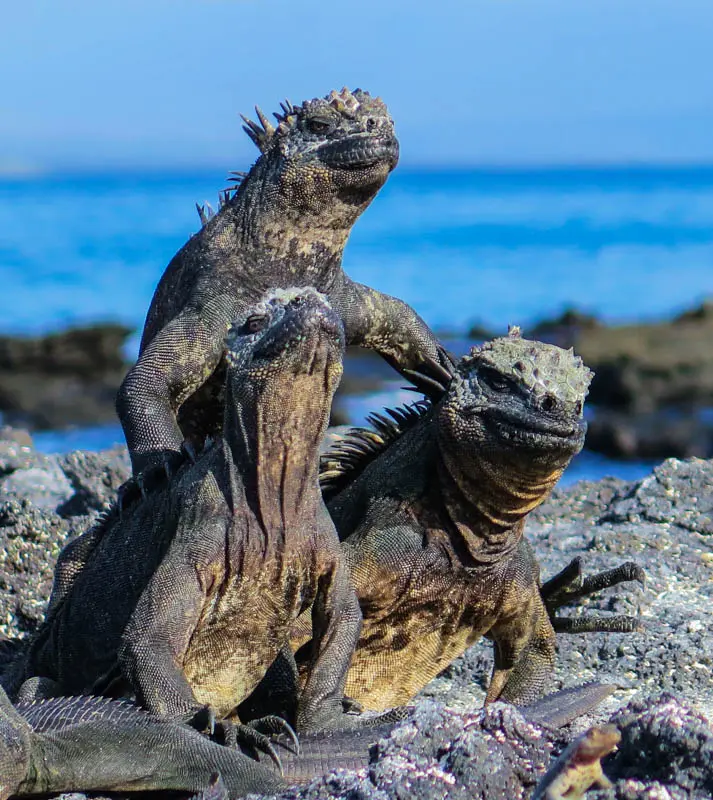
pixel 494 380
pixel 255 323
pixel 317 125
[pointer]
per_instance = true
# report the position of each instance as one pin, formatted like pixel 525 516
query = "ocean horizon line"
pixel 182 171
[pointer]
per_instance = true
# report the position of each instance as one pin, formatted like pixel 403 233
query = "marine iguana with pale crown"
pixel 285 225
pixel 188 597
pixel 431 506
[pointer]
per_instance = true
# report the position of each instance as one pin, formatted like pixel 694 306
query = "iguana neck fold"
pixel 487 500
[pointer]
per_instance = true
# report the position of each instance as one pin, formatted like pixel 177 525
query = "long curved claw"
pixel 447 359
pixel 273 725
pixel 621 623
pixel 188 451
pixel 247 737
pixel 202 719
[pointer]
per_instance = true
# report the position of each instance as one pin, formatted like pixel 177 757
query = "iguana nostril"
pixel 549 403
pixel 371 124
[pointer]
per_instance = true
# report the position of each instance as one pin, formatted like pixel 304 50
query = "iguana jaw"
pixel 518 428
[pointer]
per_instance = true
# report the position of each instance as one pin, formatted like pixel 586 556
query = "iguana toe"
pixel 249 739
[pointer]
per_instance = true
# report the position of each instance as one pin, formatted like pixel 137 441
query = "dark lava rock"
pixel 65 378
pixel 452 749
pixel 652 436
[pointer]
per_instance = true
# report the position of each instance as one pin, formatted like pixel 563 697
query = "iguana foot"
pixel 252 737
pixel 432 377
pixel 255 737
pixel 569 585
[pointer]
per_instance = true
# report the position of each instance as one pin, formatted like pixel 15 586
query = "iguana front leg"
pixel 391 328
pixel 176 362
pixel 336 624
pixel 570 585
pixel 157 637
pixel 524 648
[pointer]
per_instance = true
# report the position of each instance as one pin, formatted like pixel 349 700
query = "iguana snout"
pixel 292 331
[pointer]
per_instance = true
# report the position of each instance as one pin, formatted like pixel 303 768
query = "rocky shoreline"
pixel 664 703
pixel 651 398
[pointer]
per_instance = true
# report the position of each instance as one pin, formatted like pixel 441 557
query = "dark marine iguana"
pixel 286 225
pixel 189 596
pixel 430 508
pixel 95 744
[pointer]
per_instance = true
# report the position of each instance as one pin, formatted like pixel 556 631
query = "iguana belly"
pixel 242 630
pixel 392 664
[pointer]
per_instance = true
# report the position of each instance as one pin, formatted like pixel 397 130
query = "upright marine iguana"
pixel 286 225
pixel 194 590
pixel 431 508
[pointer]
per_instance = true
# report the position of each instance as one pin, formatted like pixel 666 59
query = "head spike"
pixel 260 134
pixel 205 212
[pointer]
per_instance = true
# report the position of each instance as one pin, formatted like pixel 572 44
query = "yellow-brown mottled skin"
pixel 194 591
pixel 431 511
pixel 579 768
pixel 286 225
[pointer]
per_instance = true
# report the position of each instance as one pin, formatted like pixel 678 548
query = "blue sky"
pixel 161 82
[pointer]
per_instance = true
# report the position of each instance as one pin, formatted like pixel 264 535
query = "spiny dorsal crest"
pixel 262 133
pixel 348 457
pixel 541 368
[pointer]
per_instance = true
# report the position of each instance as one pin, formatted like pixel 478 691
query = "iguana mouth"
pixel 320 327
pixel 360 152
pixel 535 431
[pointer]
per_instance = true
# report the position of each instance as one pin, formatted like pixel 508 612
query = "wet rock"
pixel 65 378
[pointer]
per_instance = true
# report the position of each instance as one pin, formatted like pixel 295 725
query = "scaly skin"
pixel 109 751
pixel 286 225
pixel 431 509
pixel 189 596
pixel 579 768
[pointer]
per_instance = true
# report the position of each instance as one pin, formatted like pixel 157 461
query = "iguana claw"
pixel 570 584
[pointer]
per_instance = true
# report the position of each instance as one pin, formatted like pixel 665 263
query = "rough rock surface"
pixel 652 393
pixel 65 378
pixel 451 750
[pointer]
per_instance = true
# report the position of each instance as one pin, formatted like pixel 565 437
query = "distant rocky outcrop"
pixel 652 393
pixel 62 379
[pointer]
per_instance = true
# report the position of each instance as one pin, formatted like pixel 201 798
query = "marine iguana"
pixel 93 744
pixel 431 507
pixel 285 225
pixel 189 596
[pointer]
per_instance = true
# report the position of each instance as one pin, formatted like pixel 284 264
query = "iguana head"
pixel 285 354
pixel 15 748
pixel 327 153
pixel 284 361
pixel 516 404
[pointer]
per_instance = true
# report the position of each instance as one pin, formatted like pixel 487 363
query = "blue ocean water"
pixel 491 246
